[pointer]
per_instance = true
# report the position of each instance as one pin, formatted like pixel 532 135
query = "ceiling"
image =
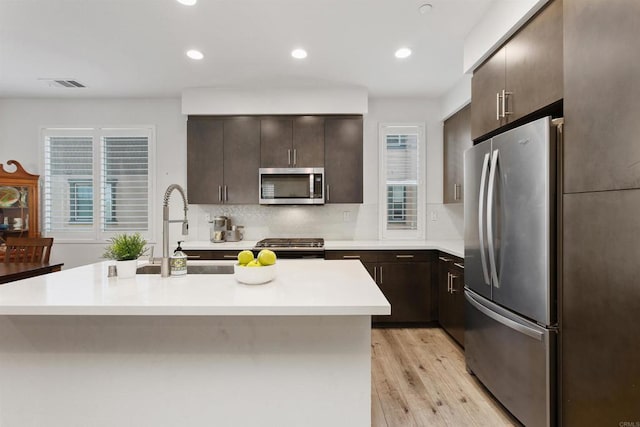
pixel 136 48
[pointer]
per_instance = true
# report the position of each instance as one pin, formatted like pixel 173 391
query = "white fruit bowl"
pixel 254 275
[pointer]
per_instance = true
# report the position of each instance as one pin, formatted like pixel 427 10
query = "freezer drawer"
pixel 513 358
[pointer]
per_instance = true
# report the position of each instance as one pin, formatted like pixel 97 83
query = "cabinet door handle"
pixel 350 256
pixel 498 106
pixel 226 193
pixel 441 258
pixel 457 264
pixel 295 156
pixel 289 157
pixel 448 283
pixel 381 275
pixel 453 277
pixel 328 192
pixel 219 193
pixel 375 275
pixel 505 113
pixel 404 256
pixel 456 191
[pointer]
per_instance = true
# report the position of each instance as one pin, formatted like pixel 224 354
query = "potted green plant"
pixel 125 249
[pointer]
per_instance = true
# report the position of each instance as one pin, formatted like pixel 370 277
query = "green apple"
pixel 245 257
pixel 266 257
pixel 254 263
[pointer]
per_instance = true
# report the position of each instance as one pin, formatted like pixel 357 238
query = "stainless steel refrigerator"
pixel 510 269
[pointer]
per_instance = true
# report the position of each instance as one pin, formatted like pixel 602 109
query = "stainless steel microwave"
pixel 291 186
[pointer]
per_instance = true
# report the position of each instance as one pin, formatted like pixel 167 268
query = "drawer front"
pixel 406 256
pixel 364 256
pixel 218 255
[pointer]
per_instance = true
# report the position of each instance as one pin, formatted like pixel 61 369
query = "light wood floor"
pixel 419 379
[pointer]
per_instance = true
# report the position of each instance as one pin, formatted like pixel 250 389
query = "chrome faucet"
pixel 164 266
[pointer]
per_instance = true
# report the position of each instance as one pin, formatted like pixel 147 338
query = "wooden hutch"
pixel 19 200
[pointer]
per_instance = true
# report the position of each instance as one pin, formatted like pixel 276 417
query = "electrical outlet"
pixel 346 216
pixel 434 215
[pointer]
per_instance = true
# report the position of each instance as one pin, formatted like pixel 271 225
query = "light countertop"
pixel 452 247
pixel 302 287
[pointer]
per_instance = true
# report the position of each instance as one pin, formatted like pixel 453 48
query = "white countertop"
pixel 452 247
pixel 302 287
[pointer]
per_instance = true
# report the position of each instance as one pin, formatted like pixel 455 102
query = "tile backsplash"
pixel 331 222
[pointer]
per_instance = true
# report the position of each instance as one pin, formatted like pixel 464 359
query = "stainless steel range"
pixel 293 247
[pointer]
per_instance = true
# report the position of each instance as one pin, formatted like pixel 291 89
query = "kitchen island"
pixel 80 349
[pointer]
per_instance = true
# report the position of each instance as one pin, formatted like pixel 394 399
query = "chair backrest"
pixel 28 249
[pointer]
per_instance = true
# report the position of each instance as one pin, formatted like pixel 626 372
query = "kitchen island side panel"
pixel 187 371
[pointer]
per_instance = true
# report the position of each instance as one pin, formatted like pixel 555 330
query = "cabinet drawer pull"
pixel 350 256
pixel 457 264
pixel 404 256
pixel 193 257
pixel 441 258
pixel 230 256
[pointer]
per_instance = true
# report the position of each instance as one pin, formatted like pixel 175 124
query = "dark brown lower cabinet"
pixel 451 296
pixel 406 280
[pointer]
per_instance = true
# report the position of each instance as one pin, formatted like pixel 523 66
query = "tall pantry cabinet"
pixel 600 365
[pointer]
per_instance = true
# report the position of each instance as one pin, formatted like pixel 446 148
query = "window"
pixel 97 182
pixel 402 181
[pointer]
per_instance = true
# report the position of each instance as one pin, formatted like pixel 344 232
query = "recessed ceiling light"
pixel 403 52
pixel 188 2
pixel 299 53
pixel 425 8
pixel 195 54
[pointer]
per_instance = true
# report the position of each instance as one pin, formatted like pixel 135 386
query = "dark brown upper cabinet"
pixel 292 142
pixel 223 157
pixel 457 138
pixel 602 89
pixel 525 75
pixel 343 159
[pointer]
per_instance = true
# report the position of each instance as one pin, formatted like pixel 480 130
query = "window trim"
pixel 383 232
pixel 96 235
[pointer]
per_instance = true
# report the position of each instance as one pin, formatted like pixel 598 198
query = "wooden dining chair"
pixel 28 249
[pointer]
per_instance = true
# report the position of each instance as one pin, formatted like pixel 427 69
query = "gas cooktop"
pixel 292 243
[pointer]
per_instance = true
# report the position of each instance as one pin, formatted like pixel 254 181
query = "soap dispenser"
pixel 178 261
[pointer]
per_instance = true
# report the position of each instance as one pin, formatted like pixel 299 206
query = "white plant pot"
pixel 127 269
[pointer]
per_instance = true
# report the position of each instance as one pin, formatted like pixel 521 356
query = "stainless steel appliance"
pixel 219 226
pixel 293 247
pixel 291 186
pixel 510 269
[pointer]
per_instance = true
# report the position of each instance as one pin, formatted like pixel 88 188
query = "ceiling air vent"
pixel 65 83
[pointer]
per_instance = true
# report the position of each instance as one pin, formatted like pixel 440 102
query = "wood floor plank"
pixel 421 379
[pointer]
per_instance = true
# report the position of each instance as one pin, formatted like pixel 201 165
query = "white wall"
pixel 21 120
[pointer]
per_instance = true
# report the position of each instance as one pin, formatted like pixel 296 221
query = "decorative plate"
pixel 8 196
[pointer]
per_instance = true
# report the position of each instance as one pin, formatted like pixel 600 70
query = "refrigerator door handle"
pixel 524 329
pixel 490 205
pixel 481 219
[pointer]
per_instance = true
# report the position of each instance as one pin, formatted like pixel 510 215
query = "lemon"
pixel 254 263
pixel 245 257
pixel 267 257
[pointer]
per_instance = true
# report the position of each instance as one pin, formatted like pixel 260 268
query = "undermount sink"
pixel 191 269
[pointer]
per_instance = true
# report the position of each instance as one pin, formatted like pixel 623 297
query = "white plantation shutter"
pixel 125 183
pixel 402 182
pixel 96 182
pixel 68 207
